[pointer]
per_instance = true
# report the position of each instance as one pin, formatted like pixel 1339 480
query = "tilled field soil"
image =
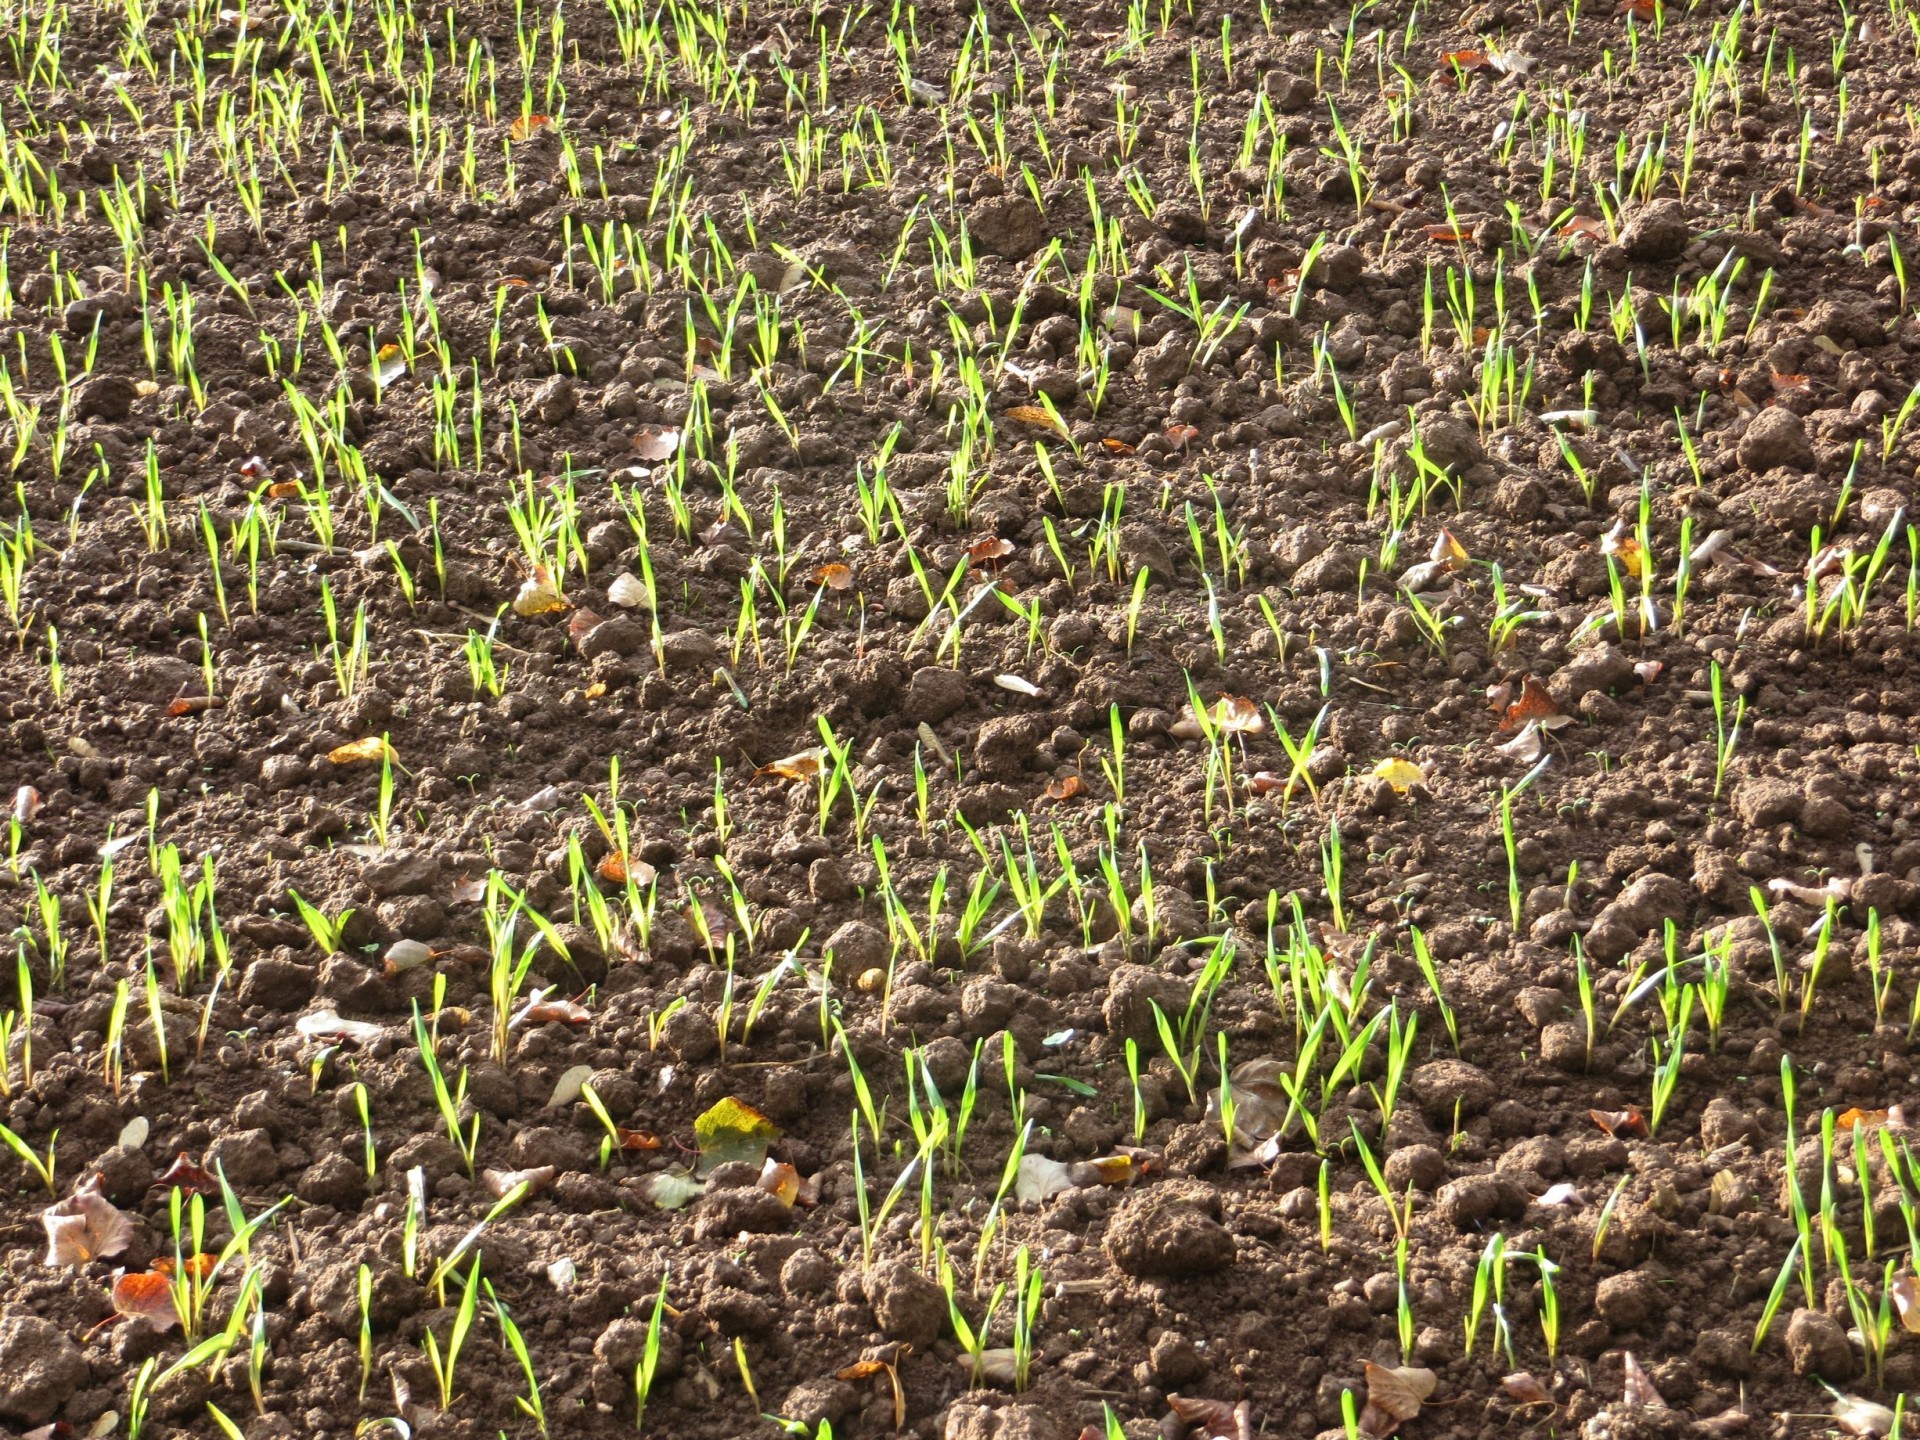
pixel 682 677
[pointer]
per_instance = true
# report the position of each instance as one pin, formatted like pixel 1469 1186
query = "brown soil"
pixel 1196 1278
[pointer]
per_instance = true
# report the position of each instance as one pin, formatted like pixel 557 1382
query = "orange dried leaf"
pixel 1464 60
pixel 834 576
pixel 1585 225
pixel 198 1266
pixel 636 1139
pixel 780 1180
pixel 1448 234
pixel 992 548
pixel 1182 436
pixel 1627 1122
pixel 524 127
pixel 612 868
pixel 148 1296
pixel 1111 1170
pixel 1534 704
pixel 373 747
pixel 1789 384
pixel 1640 9
pixel 1865 1119
pixel 1066 788
pixel 1035 415
pixel 283 489
pixel 802 766
pixel 1115 447
pixel 862 1370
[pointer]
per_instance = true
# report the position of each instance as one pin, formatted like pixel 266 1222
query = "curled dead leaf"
pixel 780 1180
pixel 1213 1419
pixel 985 552
pixel 197 1267
pixel 1066 787
pixel 356 752
pixel 1394 1396
pixel 1523 1389
pixel 1534 704
pixel 502 1183
pixel 1037 416
pixel 84 1227
pixel 1855 1416
pixel 1401 774
pixel 542 1012
pixel 804 765
pixel 187 1177
pixel 328 1025
pixel 538 594
pixel 1621 1123
pixel 834 575
pixel 656 442
pixel 1639 1392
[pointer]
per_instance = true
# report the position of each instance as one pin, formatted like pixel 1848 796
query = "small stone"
pixel 1171 1232
pixel 1629 1301
pixel 1010 226
pixel 1439 1085
pixel 39 1368
pixel 1175 1361
pixel 246 1157
pixel 1132 992
pixel 1332 570
pixel 933 693
pixel 1659 232
pixel 1466 1202
pixel 1817 1345
pixel 333 1180
pixel 856 947
pixel 1724 1123
pixel 909 1306
pixel 1421 1166
pixel 555 400
pixel 1774 439
pixel 746 1209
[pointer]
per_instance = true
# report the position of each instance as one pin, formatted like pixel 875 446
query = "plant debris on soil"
pixel 1163 719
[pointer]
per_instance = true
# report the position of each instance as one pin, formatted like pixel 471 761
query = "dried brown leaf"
pixel 85 1227
pixel 1523 1389
pixel 146 1295
pixel 1639 1389
pixel 502 1183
